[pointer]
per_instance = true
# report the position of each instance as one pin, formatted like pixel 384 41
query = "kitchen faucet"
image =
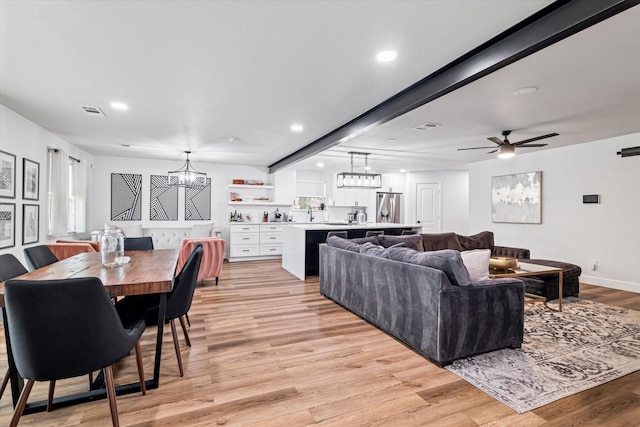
pixel 310 212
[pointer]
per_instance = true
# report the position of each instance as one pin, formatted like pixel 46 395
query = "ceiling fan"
pixel 506 148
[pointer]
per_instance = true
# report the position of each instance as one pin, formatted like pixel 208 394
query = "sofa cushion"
pixel 477 263
pixel 482 240
pixel 448 261
pixel 412 241
pixel 201 230
pixel 369 248
pixel 370 239
pixel 346 244
pixel 440 241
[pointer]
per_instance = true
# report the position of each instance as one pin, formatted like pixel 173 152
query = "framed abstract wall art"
pixel 517 198
pixel 30 224
pixel 126 195
pixel 164 199
pixel 7 175
pixel 7 225
pixel 30 179
pixel 197 202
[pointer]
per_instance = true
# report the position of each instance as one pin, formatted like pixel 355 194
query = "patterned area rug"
pixel 586 345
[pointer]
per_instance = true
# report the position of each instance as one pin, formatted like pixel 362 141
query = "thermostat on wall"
pixel 591 198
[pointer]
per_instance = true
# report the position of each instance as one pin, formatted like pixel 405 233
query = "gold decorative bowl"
pixel 502 263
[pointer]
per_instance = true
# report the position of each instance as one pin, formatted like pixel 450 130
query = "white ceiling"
pixel 197 73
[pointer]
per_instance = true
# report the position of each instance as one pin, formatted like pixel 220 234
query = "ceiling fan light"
pixel 506 152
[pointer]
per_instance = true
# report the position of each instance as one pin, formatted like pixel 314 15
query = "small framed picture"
pixel 31 179
pixel 7 175
pixel 30 224
pixel 7 225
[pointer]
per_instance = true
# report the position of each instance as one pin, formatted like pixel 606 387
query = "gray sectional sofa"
pixel 424 299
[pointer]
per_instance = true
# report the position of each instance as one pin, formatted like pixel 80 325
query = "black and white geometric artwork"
pixel 164 199
pixel 126 194
pixel 197 202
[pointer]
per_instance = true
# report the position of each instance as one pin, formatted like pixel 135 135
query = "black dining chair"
pixel 66 328
pixel 138 243
pixel 408 232
pixel 10 267
pixel 39 256
pixel 133 308
pixel 371 233
pixel 342 234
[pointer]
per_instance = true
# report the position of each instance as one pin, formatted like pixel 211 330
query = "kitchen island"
pixel 300 253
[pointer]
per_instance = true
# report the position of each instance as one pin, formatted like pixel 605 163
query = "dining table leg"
pixel 162 309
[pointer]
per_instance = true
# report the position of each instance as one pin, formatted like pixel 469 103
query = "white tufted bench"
pixel 166 237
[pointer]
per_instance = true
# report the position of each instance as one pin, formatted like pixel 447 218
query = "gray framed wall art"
pixel 7 175
pixel 517 198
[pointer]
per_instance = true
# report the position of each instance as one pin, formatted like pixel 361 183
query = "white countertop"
pixel 345 226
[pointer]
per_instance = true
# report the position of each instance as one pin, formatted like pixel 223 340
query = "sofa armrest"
pixel 518 253
pixel 484 316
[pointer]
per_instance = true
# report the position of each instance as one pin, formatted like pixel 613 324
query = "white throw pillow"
pixel 477 263
pixel 201 230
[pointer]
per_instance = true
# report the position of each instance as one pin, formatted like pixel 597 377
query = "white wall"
pixel 24 139
pixel 571 231
pixel 455 197
pixel 221 176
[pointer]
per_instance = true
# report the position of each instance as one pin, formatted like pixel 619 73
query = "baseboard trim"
pixel 610 283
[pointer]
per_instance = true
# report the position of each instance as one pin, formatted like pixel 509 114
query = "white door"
pixel 429 209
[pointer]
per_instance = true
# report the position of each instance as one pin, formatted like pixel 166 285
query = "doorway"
pixel 428 204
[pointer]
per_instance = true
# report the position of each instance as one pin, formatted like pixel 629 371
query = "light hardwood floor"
pixel 269 350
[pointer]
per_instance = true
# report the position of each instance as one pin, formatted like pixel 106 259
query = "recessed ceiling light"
pixel 296 128
pixel 525 90
pixel 390 140
pixel 320 164
pixel 386 56
pixel 403 170
pixel 119 106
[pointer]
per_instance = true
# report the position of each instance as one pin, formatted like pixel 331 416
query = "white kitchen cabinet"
pixel 285 183
pixel 255 241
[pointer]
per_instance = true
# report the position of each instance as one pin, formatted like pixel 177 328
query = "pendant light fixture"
pixel 359 179
pixel 187 176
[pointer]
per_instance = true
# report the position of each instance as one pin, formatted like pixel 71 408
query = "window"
pixel 67 195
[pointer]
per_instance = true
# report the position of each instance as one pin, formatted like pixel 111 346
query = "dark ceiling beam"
pixel 555 22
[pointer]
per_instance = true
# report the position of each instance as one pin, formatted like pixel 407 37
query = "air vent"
pixel 426 126
pixel 92 111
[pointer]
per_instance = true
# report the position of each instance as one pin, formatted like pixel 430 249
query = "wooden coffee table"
pixel 524 269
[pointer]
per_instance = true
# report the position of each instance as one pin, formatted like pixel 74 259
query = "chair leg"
pixel 22 402
pixel 176 345
pixel 143 386
pixel 111 394
pixel 5 381
pixel 217 281
pixel 52 386
pixel 184 331
pixel 186 315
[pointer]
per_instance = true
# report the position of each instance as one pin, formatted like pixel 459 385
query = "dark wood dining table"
pixel 147 272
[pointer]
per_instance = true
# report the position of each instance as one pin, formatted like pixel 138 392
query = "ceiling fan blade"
pixel 496 140
pixel 537 138
pixel 494 151
pixel 473 148
pixel 531 145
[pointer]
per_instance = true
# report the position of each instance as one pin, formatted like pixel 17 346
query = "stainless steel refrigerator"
pixel 388 207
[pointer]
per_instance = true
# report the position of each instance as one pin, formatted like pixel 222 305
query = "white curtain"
pixel 79 187
pixel 58 214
